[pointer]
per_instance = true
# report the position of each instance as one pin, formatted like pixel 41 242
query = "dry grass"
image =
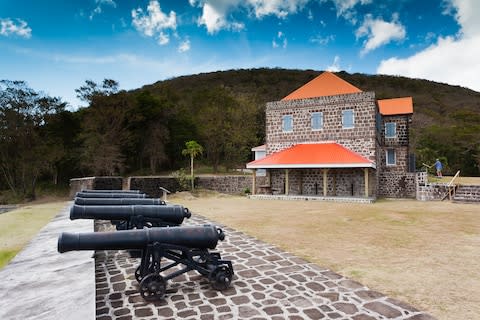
pixel 424 253
pixel 17 227
pixel 459 180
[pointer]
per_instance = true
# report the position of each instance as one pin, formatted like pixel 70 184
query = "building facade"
pixel 329 138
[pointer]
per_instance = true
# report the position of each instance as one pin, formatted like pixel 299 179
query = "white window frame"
pixel 394 129
pixel 284 118
pixel 320 114
pixel 394 157
pixel 353 119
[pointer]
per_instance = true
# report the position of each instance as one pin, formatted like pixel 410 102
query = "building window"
pixel 391 157
pixel 348 119
pixel 287 123
pixel 317 120
pixel 390 130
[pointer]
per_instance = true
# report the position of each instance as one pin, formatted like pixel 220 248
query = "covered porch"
pixel 322 171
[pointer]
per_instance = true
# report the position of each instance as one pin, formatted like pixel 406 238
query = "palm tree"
pixel 193 149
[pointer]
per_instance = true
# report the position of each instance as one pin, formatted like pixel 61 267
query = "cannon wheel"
pixel 138 274
pixel 153 287
pixel 220 278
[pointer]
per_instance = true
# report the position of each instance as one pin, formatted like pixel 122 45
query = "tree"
pixel 193 149
pixel 104 132
pixel 26 150
pixel 226 126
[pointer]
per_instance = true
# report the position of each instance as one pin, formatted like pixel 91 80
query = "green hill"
pixel 445 123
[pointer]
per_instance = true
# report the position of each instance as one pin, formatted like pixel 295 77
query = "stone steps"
pixel 467 193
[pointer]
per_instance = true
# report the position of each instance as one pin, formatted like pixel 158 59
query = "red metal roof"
pixel 326 84
pixel 313 155
pixel 389 107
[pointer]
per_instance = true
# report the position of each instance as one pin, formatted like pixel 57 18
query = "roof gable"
pixel 326 84
pixel 396 106
pixel 313 155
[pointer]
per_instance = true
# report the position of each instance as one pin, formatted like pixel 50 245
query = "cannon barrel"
pixel 109 195
pixel 168 213
pixel 118 201
pixel 201 237
pixel 110 191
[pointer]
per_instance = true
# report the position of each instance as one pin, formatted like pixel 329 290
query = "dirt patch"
pixel 424 253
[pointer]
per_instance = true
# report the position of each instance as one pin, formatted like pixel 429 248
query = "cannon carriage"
pixel 162 249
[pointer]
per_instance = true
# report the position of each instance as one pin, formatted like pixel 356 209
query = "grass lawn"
pixel 459 180
pixel 424 253
pixel 18 226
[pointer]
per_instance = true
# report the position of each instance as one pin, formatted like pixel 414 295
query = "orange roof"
pixel 389 107
pixel 314 155
pixel 326 84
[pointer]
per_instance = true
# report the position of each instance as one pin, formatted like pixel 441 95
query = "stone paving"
pixel 268 284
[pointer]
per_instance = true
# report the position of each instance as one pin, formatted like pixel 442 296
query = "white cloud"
pixel 280 39
pixel 163 39
pixel 9 27
pixel 98 8
pixel 154 21
pixel 279 8
pixel 453 60
pixel 335 66
pixel 184 46
pixel 346 9
pixel 379 32
pixel 323 41
pixel 217 15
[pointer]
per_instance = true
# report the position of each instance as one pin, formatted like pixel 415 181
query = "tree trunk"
pixel 191 172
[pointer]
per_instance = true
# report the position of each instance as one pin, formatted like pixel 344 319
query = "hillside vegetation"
pixel 144 131
pixel 446 121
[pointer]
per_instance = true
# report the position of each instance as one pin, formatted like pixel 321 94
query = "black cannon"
pixel 109 195
pixel 110 191
pixel 184 246
pixel 127 217
pixel 118 201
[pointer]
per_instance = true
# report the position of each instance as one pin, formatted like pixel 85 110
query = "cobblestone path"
pixel 268 284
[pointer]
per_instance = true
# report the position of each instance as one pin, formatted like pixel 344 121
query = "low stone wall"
pixel 431 191
pixel 151 184
pixel 92 183
pixel 225 184
pixel 397 185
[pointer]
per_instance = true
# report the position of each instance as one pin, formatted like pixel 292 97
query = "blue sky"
pixel 56 45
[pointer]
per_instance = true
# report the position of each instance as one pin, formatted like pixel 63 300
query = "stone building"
pixel 328 138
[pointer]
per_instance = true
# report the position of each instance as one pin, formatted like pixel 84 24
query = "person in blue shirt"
pixel 438 167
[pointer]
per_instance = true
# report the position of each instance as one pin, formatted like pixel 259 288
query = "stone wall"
pixel 360 139
pixel 400 143
pixel 95 183
pixel 151 184
pixel 397 184
pixel 222 184
pixel 226 184
pixel 431 192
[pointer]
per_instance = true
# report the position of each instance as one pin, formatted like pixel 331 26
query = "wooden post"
pixel 286 182
pixel 365 171
pixel 301 182
pixel 254 181
pixel 325 182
